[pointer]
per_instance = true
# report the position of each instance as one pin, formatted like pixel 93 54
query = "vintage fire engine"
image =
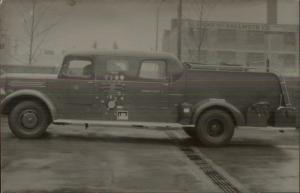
pixel 145 89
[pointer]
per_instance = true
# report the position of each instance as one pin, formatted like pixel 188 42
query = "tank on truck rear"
pixel 260 96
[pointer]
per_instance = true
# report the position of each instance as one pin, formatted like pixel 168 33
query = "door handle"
pixel 165 84
pixel 150 91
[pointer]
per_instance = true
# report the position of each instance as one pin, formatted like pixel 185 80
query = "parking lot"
pixel 109 159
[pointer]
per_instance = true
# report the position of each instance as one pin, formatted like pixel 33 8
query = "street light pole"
pixel 179 26
pixel 157 24
pixel 34 2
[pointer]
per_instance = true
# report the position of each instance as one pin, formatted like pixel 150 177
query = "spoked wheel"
pixel 28 119
pixel 215 128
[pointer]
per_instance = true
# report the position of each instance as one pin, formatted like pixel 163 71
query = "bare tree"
pixel 201 7
pixel 2 36
pixel 38 25
pixel 95 45
pixel 202 30
pixel 115 45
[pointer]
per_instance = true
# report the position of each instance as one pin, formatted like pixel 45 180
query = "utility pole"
pixel 201 31
pixel 272 17
pixel 32 32
pixel 157 24
pixel 179 28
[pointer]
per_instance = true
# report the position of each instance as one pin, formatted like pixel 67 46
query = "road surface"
pixel 110 159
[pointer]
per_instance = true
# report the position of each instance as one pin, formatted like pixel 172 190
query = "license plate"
pixel 122 115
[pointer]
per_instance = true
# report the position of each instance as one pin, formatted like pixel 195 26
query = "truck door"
pixel 131 89
pixel 148 95
pixel 76 89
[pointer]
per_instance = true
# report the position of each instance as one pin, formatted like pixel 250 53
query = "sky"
pixel 129 23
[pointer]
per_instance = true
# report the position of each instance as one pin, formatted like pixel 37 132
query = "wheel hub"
pixel 29 119
pixel 215 128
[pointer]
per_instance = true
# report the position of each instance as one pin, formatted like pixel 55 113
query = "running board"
pixel 119 123
pixel 278 129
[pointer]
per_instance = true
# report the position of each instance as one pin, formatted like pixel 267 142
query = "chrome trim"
pixel 17 83
pixel 268 128
pixel 120 123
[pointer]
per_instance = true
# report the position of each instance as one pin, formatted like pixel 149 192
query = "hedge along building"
pixel 243 43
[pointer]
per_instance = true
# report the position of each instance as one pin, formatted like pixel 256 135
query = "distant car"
pixel 144 89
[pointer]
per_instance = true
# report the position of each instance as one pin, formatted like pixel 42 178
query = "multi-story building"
pixel 248 44
pixel 3 42
pixel 2 36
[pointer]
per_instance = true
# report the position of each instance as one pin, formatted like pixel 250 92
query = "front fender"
pixel 28 93
pixel 217 103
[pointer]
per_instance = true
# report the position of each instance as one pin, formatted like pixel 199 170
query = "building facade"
pixel 248 44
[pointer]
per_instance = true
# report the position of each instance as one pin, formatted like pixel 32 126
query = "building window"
pixel 287 64
pixel 288 60
pixel 195 56
pixel 2 41
pixel 226 36
pixel 191 32
pixel 203 56
pixel 227 57
pixel 255 37
pixel 255 59
pixel 289 39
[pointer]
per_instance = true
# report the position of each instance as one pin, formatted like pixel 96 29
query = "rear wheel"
pixel 28 119
pixel 215 128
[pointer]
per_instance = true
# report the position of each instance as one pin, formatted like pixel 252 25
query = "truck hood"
pixel 28 76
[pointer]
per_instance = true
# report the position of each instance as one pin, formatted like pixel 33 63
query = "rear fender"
pixel 204 105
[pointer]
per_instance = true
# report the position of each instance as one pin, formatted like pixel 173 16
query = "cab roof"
pixel 140 54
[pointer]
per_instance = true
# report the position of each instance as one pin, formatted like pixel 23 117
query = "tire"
pixel 215 128
pixel 28 120
pixel 190 132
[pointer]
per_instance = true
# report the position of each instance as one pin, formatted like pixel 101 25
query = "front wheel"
pixel 28 119
pixel 215 128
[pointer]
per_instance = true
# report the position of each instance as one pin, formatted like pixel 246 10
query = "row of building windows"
pixel 251 58
pixel 252 37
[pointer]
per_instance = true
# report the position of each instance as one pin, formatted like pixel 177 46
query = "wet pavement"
pixel 109 159
pixel 262 161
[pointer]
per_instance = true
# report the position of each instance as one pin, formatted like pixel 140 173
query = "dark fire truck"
pixel 145 89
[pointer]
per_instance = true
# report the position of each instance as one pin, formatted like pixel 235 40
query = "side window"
pixel 117 68
pixel 153 69
pixel 78 68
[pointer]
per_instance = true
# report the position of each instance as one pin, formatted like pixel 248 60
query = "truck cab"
pixel 118 87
